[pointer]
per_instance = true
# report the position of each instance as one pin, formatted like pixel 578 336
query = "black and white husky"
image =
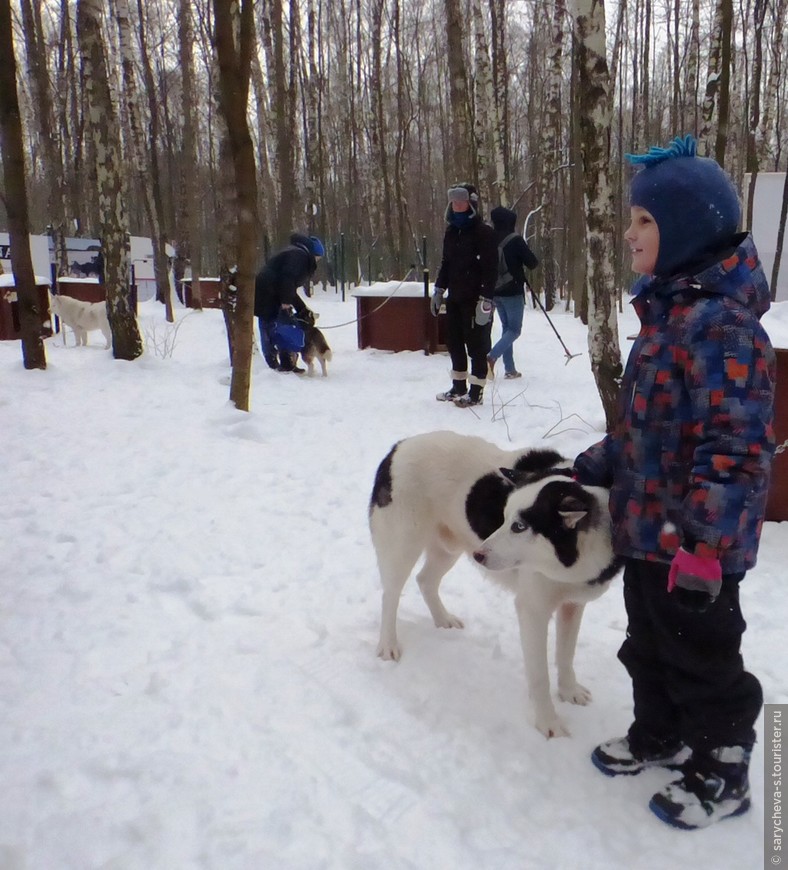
pixel 525 521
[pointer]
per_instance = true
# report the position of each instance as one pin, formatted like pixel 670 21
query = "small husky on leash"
pixel 315 344
pixel 530 526
pixel 81 317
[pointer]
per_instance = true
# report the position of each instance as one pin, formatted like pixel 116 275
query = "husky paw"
pixel 551 726
pixel 575 694
pixel 389 652
pixel 449 620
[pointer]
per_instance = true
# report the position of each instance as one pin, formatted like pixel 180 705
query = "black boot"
pixel 627 756
pixel 715 786
pixel 458 389
pixel 475 397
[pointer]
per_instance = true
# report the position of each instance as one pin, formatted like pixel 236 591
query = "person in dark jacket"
pixel 509 297
pixel 688 463
pixel 467 275
pixel 276 296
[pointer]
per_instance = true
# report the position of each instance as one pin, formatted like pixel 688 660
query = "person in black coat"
pixel 467 275
pixel 276 294
pixel 509 297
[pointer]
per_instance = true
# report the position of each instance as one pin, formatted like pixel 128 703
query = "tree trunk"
pixel 47 130
pixel 710 112
pixel 725 82
pixel 143 173
pixel 778 253
pixel 693 66
pixel 751 160
pixel 771 101
pixel 282 109
pixel 550 153
pixel 192 216
pixel 103 127
pixel 483 109
pixel 595 143
pixel 462 159
pixel 161 262
pixel 500 101
pixel 15 200
pixel 234 24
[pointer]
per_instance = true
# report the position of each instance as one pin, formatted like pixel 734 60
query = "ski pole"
pixel 538 301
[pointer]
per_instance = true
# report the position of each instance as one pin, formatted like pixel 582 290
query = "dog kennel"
pixel 396 316
pixel 10 326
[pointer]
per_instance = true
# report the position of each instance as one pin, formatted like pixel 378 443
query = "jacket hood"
pixel 738 274
pixel 301 241
pixel 503 218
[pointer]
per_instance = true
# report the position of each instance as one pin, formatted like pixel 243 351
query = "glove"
pixel 484 309
pixel 697 580
pixel 436 300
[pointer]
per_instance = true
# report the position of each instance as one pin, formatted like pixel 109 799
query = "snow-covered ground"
pixel 189 611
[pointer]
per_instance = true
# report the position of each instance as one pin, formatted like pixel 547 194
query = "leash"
pixel 368 314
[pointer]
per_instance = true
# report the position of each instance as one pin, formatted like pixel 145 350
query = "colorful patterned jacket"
pixel 688 460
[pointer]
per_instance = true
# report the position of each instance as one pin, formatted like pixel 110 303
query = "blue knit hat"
pixel 316 247
pixel 692 199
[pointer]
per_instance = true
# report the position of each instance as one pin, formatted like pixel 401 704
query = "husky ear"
pixel 571 510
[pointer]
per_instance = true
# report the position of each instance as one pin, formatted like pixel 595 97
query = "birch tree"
pixel 500 101
pixel 142 169
pixel 483 102
pixel 103 128
pixel 550 150
pixel 14 198
pixel 595 123
pixel 163 292
pixel 710 110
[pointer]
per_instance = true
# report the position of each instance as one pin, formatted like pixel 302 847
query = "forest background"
pixel 222 126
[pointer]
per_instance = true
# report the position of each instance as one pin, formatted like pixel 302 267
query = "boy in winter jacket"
pixel 276 294
pixel 468 269
pixel 509 296
pixel 688 465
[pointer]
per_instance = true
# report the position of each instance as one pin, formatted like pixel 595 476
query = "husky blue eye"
pixel 518 527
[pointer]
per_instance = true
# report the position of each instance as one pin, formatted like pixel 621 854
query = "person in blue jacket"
pixel 688 464
pixel 276 296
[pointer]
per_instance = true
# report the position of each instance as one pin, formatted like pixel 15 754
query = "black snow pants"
pixel 687 671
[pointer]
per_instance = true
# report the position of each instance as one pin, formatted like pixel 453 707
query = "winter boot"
pixel 714 786
pixel 458 387
pixel 475 397
pixel 621 757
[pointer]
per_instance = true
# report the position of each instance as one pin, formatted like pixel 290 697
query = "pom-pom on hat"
pixel 316 247
pixel 691 198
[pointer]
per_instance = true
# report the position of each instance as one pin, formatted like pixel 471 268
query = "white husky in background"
pixel 81 317
pixel 530 526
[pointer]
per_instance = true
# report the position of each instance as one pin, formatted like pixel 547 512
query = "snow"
pixel 189 617
pixel 8 279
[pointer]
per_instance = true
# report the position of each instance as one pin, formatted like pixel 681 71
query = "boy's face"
pixel 642 236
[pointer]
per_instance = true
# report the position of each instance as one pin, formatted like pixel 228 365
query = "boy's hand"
pixel 697 580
